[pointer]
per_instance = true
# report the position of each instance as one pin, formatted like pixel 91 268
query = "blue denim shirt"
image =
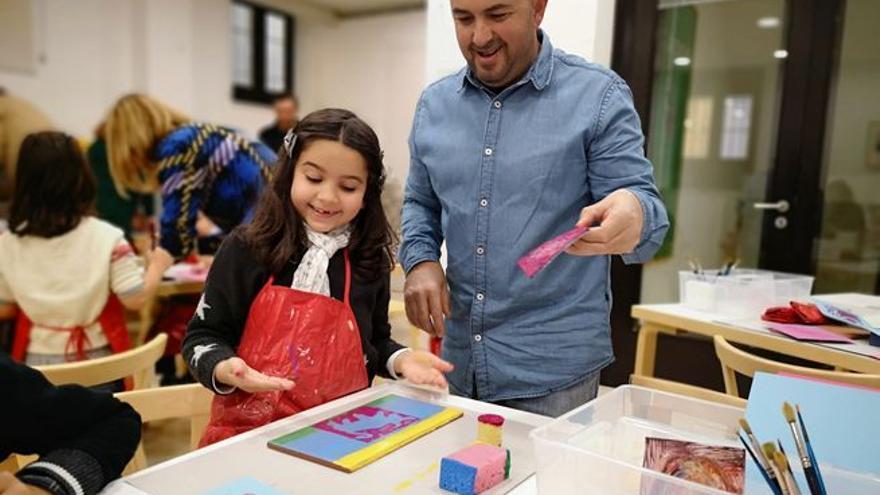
pixel 496 175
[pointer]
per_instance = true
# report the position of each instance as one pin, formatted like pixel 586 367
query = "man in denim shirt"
pixel 519 146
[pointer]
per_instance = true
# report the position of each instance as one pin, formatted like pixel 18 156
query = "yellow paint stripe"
pixel 359 459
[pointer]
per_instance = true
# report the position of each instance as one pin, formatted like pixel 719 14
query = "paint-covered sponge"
pixel 474 469
pixel 489 429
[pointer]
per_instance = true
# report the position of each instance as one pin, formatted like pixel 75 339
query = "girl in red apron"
pixel 66 274
pixel 295 309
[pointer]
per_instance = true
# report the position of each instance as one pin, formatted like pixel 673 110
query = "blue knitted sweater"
pixel 212 169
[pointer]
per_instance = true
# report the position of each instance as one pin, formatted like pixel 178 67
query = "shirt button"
pixel 488 151
pixel 484 202
pixel 478 338
pixel 480 250
pixel 480 296
pixel 497 104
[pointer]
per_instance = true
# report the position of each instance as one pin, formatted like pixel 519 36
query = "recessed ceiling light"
pixel 682 61
pixel 768 22
pixel 780 53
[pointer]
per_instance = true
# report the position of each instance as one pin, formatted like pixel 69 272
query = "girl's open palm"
pixel 234 371
pixel 423 368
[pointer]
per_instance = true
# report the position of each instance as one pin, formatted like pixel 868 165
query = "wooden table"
pixel 675 319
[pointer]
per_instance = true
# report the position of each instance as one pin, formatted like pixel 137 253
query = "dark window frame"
pixel 256 92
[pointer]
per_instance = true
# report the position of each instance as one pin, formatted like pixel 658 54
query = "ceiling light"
pixel 682 61
pixel 768 22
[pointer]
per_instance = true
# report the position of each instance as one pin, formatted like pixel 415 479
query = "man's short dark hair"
pixel 286 96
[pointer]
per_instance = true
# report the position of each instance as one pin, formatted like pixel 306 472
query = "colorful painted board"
pixel 354 439
pixel 719 467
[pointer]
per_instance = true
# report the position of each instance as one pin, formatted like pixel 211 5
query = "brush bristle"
pixel 745 425
pixel 769 449
pixel 781 460
pixel 788 412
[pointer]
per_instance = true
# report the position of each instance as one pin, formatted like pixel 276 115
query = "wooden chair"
pixel 735 361
pixel 687 390
pixel 137 363
pixel 179 401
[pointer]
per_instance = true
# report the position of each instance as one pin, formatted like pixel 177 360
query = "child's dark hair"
pixel 54 187
pixel 276 234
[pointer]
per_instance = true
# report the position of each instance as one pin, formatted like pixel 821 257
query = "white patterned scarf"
pixel 311 274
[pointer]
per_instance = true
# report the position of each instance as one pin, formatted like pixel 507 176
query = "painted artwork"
pixel 245 486
pixel 718 467
pixel 356 438
pixel 542 255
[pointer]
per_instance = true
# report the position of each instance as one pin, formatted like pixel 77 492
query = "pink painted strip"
pixel 542 255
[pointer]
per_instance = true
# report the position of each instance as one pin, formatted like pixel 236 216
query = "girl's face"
pixel 329 182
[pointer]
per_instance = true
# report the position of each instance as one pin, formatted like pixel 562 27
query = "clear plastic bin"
pixel 742 293
pixel 599 447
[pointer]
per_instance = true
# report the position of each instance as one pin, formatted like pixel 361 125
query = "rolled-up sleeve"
pixel 616 160
pixel 420 218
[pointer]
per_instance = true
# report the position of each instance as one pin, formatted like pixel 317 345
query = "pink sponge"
pixel 474 469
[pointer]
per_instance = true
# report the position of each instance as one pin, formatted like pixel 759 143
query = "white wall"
pixel 372 66
pixel 582 27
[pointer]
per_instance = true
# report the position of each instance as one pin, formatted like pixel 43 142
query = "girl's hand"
pixel 234 371
pixel 10 485
pixel 161 258
pixel 422 368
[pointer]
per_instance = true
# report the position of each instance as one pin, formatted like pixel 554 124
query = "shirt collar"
pixel 539 73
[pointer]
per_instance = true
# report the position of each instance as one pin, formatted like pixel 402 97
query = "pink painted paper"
pixel 542 255
pixel 807 332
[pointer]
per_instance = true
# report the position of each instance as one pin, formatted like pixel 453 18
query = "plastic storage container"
pixel 598 448
pixel 742 293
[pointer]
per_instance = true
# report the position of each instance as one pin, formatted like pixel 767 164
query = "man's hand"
pixel 620 218
pixel 234 371
pixel 422 368
pixel 10 485
pixel 426 297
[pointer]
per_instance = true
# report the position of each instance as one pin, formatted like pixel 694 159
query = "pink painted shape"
pixel 489 461
pixel 807 332
pixel 542 255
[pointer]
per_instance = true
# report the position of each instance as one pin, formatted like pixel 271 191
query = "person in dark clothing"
pixel 296 303
pixel 84 438
pixel 286 107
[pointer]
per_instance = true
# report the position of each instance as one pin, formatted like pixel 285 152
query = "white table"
pixel 413 469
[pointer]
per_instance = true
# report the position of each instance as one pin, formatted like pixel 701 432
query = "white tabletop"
pixel 412 469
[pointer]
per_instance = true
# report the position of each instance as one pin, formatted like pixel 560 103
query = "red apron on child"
pixel 111 320
pixel 308 338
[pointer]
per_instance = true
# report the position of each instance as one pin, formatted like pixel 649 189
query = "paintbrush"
pixel 810 453
pixel 806 463
pixel 762 461
pixel 782 461
pixel 766 472
pixel 769 449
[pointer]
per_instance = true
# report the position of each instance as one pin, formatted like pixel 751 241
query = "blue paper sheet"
pixel 245 486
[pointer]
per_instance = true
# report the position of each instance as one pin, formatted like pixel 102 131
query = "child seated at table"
pixel 65 274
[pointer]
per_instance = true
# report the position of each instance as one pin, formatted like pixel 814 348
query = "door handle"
pixel 781 206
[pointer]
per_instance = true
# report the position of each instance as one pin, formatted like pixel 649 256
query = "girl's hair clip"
pixel 289 142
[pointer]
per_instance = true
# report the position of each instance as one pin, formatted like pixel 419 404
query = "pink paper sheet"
pixel 542 255
pixel 807 332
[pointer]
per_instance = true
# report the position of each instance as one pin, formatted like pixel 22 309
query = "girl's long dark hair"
pixel 54 188
pixel 276 235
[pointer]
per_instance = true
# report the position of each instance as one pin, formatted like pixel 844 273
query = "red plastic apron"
pixel 309 338
pixel 111 319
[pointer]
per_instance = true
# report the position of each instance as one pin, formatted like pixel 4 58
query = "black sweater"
pixel 235 279
pixel 88 435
